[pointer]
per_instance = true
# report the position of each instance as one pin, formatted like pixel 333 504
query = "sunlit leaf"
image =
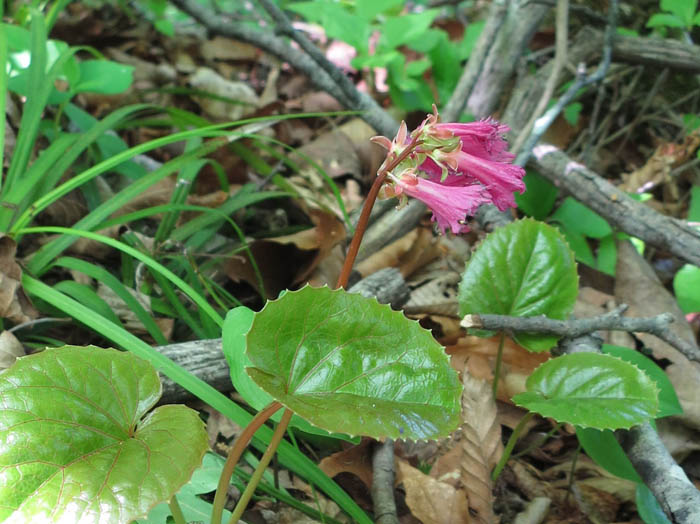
pixel 348 364
pixel 591 390
pixel 524 269
pixel 89 451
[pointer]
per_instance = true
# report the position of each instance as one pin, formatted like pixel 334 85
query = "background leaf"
pixel 88 450
pixel 591 390
pixel 668 401
pixel 524 269
pixel 348 364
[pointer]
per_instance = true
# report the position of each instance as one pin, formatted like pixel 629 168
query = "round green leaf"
pixel 524 269
pixel 686 284
pixel 75 444
pixel 349 364
pixel 591 390
pixel 236 325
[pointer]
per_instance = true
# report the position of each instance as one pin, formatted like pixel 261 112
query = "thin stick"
pixel 234 456
pixel 277 437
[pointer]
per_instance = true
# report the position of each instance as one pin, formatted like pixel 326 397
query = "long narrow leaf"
pixel 46 254
pixel 3 94
pixel 147 260
pixel 289 457
pixel 105 277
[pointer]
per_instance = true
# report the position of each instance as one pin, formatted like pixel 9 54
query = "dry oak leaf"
pixel 10 349
pixel 432 501
pixel 14 303
pixel 481 446
pixel 356 460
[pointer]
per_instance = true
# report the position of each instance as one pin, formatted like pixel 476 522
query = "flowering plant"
pixel 453 168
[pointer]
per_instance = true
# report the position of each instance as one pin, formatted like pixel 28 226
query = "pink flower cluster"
pixel 453 168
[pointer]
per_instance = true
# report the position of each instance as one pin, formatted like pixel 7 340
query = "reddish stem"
pixel 234 456
pixel 366 210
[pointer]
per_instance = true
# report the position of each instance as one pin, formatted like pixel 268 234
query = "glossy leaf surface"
pixel 591 390
pixel 87 451
pixel 524 269
pixel 348 364
pixel 236 325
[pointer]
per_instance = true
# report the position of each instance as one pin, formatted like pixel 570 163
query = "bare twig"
pixel 583 80
pixel 383 482
pixel 561 44
pixel 612 321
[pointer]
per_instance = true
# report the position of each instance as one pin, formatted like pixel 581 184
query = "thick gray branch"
pixel 383 482
pixel 616 207
pixel 667 481
pixel 279 47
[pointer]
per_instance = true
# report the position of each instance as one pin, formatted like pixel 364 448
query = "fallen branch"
pixel 676 494
pixel 615 206
pixel 574 328
pixel 279 47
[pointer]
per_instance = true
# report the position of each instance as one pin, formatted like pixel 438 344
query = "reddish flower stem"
pixel 366 210
pixel 235 455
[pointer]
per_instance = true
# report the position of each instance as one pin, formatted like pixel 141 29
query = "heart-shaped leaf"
pixel 74 442
pixel 524 269
pixel 591 390
pixel 236 325
pixel 349 364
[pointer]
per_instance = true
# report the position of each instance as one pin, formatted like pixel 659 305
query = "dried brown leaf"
pixel 481 446
pixel 432 501
pixel 638 286
pixel 14 303
pixel 10 349
pixel 356 460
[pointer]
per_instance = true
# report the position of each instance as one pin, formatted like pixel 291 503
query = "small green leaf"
pixel 524 269
pixel 348 364
pixel 694 207
pixel 605 450
pixel 668 401
pixel 368 9
pixel 665 20
pixel 648 507
pixel 591 390
pixel 607 255
pixel 236 326
pixel 103 76
pixel 572 112
pixel 683 9
pixel 574 216
pixel 88 452
pixel 538 199
pixel 686 285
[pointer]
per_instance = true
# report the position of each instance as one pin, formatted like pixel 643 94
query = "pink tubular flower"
pixel 463 166
pixel 450 204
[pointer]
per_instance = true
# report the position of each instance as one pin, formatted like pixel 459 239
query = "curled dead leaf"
pixel 10 349
pixel 432 501
pixel 14 303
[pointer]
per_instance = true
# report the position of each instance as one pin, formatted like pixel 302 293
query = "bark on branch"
pixel 616 207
